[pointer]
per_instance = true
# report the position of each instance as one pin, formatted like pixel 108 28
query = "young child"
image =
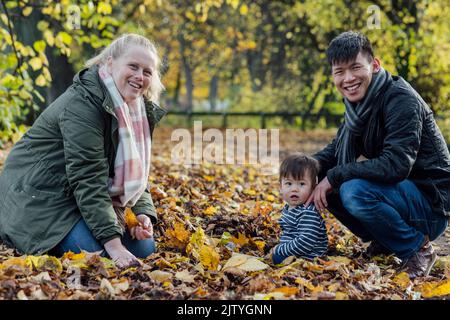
pixel 303 229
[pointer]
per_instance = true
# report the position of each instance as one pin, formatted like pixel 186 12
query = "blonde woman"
pixel 66 183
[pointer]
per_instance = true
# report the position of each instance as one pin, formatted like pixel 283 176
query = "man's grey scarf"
pixel 356 118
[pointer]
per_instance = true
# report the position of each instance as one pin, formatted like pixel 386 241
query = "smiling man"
pixel 397 196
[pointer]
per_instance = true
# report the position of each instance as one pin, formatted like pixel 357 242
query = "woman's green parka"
pixel 58 172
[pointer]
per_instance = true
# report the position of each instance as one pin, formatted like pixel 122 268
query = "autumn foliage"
pixel 216 226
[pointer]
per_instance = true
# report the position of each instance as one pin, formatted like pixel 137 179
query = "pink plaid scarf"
pixel 132 163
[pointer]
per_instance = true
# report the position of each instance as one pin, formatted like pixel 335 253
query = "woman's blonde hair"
pixel 119 46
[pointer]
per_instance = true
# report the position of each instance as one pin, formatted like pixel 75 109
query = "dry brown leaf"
pixel 160 276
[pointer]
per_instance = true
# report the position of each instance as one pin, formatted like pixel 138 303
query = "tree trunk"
pixel 213 85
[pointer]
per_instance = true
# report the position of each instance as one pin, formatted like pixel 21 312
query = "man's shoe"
pixel 375 249
pixel 420 264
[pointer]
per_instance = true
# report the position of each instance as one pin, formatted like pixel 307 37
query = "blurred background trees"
pixel 236 55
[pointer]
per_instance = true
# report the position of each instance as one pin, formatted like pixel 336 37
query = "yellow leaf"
pixel 243 9
pixel 260 244
pixel 210 211
pixel 250 192
pixel 209 258
pixel 40 81
pixel 228 194
pixel 49 38
pixel 74 256
pixel 35 63
pixel 402 280
pixel 65 37
pixel 287 291
pixel 241 240
pixel 208 178
pixel 20 262
pixel 198 237
pixel 233 3
pixel 130 219
pixel 27 11
pixel 42 25
pixel 434 289
pixel 39 46
pixel 104 8
pixel 44 262
pixel 178 236
pixel 270 198
pixel 341 296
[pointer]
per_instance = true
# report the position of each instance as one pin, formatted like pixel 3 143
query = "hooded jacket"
pixel 57 173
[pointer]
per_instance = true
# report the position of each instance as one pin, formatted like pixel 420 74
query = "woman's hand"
pixel 144 230
pixel 319 195
pixel 120 255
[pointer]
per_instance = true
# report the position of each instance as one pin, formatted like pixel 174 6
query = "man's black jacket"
pixel 401 141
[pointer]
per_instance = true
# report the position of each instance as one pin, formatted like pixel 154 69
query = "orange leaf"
pixel 73 256
pixel 288 291
pixel 210 211
pixel 241 240
pixel 130 218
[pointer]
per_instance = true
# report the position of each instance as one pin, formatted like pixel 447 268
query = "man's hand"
pixel 144 230
pixel 319 195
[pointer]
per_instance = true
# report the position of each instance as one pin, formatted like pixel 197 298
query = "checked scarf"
pixel 132 162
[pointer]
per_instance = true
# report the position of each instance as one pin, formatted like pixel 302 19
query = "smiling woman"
pixel 66 184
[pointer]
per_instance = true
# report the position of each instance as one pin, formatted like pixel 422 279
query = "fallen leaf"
pixel 287 291
pixel 434 289
pixel 241 240
pixel 245 262
pixel 185 276
pixel 107 288
pixel 178 236
pixel 160 276
pixel 210 211
pixel 130 219
pixel 209 258
pixel 21 295
pixel 17 262
pixel 402 280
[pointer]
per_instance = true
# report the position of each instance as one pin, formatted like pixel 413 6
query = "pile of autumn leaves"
pixel 216 226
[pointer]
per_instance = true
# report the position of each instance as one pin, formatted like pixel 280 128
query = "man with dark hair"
pixel 397 194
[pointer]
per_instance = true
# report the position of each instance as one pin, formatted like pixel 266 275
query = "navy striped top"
pixel 303 235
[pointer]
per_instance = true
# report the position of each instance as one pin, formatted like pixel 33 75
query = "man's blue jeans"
pixel 81 238
pixel 397 216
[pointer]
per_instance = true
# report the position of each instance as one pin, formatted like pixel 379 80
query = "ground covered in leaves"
pixel 217 223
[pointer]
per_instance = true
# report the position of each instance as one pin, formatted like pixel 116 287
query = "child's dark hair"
pixel 346 46
pixel 298 165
